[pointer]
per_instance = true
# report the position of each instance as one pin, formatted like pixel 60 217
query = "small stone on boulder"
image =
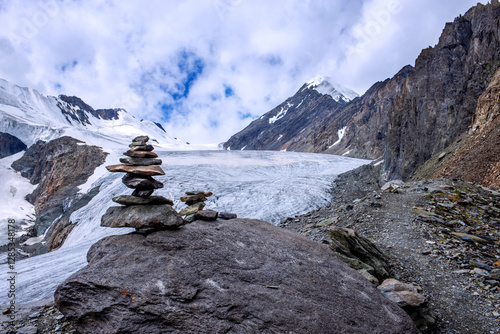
pixel 139 216
pixel 207 215
pixel 348 243
pixel 227 215
pixel 143 192
pixel 134 147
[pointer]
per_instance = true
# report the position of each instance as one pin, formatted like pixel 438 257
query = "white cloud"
pixel 127 53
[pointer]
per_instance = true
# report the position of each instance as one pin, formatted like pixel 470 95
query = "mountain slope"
pixel 440 97
pixel 289 123
pixel 359 128
pixel 408 118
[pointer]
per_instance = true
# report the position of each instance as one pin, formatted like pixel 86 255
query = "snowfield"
pixel 253 184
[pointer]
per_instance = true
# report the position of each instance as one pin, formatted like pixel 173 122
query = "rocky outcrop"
pixel 235 276
pixel 10 145
pixel 286 126
pixel 74 109
pixel 475 157
pixel 359 253
pixel 439 98
pixel 58 167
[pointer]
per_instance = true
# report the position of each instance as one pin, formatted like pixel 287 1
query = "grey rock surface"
pixel 238 276
pixel 140 216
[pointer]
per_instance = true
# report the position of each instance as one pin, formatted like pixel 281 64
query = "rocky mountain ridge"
pixel 286 126
pixel 414 115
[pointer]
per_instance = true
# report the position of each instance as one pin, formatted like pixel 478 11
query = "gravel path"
pixel 460 300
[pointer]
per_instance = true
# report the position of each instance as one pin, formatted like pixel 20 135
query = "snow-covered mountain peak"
pixel 326 85
pixel 31 116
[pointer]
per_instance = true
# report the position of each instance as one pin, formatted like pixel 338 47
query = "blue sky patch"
pixel 228 91
pixel 69 66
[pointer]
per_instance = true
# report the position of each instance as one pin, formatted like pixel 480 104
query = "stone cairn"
pixel 141 210
pixel 195 200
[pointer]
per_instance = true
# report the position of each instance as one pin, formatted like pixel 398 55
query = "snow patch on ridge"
pixel 325 85
pixel 280 114
pixel 340 135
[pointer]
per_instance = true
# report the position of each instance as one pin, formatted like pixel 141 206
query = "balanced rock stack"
pixel 141 210
pixel 195 210
pixel 196 202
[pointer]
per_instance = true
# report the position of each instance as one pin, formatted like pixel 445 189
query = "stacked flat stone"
pixel 196 203
pixel 141 210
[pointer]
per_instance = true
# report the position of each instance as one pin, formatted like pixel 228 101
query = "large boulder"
pixel 236 276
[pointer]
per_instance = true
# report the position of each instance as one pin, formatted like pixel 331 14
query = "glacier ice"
pixel 252 184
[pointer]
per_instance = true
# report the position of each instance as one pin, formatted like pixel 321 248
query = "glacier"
pixel 253 184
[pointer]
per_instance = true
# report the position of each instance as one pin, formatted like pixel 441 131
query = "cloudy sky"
pixel 206 68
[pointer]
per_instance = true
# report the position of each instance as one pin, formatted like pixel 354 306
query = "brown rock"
pixel 140 161
pixel 140 216
pixel 141 170
pixel 405 295
pixel 351 246
pixel 199 197
pixel 238 276
pixel 141 154
pixel 134 200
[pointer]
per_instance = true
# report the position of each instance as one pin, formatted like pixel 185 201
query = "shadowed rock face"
pixel 10 144
pixel 236 276
pixel 440 97
pixel 475 157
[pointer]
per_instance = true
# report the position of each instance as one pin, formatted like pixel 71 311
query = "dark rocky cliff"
pixel 439 98
pixel 10 144
pixel 475 156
